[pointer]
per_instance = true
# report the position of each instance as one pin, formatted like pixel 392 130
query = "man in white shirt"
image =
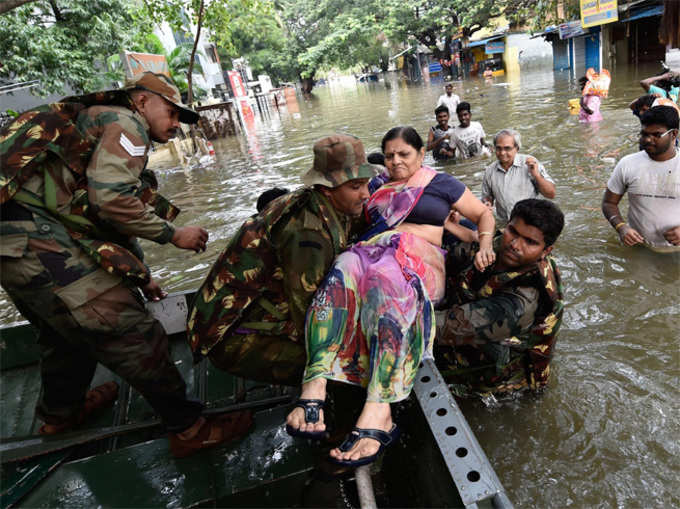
pixel 449 99
pixel 651 178
pixel 468 136
pixel 513 177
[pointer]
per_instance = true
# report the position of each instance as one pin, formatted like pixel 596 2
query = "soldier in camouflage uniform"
pixel 501 326
pixel 250 311
pixel 75 193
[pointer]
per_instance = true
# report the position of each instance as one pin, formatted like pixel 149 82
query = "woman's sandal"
pixel 385 438
pixel 100 397
pixel 312 408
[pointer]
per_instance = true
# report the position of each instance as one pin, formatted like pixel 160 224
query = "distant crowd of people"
pixel 650 177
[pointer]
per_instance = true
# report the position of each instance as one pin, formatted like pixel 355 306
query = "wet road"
pixel 606 433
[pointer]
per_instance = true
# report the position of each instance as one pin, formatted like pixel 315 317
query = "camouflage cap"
pixel 164 86
pixel 338 159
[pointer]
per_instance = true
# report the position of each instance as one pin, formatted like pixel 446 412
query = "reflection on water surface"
pixel 606 432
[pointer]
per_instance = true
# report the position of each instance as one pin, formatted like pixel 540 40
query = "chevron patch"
pixel 130 148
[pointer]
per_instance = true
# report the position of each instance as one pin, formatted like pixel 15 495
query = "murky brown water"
pixel 606 434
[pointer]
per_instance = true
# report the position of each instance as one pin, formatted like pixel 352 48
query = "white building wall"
pixel 212 72
pixel 532 53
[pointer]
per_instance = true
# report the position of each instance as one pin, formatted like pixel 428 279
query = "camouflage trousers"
pixel 258 348
pixel 258 356
pixel 86 316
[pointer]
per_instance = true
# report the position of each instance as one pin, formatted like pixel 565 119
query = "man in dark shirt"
pixel 501 325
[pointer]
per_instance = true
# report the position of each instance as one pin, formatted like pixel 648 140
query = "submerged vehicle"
pixel 121 458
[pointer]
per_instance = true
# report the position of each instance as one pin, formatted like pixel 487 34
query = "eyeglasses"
pixel 505 149
pixel 655 136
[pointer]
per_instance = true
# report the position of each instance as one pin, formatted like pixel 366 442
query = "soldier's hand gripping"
pixel 190 237
pixel 153 291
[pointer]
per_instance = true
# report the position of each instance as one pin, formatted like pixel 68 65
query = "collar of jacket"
pixel 336 223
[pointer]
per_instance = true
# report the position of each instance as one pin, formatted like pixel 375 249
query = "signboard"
pixel 137 63
pixel 435 67
pixel 493 47
pixel 241 97
pixel 571 29
pixel 598 12
pixel 236 84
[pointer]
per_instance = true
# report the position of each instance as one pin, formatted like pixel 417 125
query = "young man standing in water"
pixel 249 313
pixel 469 135
pixel 501 326
pixel 438 139
pixel 449 99
pixel 513 176
pixel 651 178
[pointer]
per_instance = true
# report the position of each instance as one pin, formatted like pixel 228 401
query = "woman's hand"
pixel 484 257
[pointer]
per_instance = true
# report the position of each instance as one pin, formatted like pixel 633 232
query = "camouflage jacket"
pixel 502 326
pixel 81 162
pixel 269 270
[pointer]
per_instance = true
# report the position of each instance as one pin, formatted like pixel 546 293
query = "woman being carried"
pixel 372 319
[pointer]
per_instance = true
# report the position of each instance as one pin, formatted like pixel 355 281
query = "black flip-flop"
pixel 385 438
pixel 312 408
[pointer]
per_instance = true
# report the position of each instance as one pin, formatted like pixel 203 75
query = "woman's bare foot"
pixel 316 389
pixel 373 416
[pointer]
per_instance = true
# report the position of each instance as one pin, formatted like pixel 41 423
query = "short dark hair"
pixel 662 115
pixel 441 109
pixel 644 100
pixel 268 196
pixel 543 214
pixel 464 106
pixel 406 133
pixel 376 158
pixel 582 82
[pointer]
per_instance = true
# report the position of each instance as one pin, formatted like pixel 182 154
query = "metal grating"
pixel 470 469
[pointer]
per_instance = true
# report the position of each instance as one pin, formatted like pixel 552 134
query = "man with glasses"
pixel 513 177
pixel 651 178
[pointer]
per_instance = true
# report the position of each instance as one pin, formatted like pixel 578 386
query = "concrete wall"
pixel 527 53
pixel 23 100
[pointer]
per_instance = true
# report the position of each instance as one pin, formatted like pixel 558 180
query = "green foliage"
pixel 332 33
pixel 217 16
pixel 302 37
pixel 263 41
pixel 79 43
pixel 70 46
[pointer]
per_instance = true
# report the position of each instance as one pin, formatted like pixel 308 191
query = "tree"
pixel 332 33
pixel 215 15
pixel 65 42
pixel 178 60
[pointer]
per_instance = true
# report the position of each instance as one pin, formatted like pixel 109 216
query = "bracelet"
pixel 485 233
pixel 619 225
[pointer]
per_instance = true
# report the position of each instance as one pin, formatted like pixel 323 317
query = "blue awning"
pixel 482 42
pixel 656 10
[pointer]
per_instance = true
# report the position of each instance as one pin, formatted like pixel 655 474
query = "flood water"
pixel 606 433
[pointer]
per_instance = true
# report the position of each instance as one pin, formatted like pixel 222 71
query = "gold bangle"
pixel 619 226
pixel 485 233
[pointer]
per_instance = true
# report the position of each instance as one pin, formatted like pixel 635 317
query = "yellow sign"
pixel 598 12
